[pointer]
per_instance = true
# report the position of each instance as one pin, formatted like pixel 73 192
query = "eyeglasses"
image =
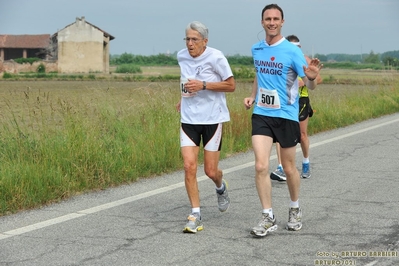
pixel 194 40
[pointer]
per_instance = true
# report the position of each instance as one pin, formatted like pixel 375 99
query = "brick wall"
pixel 13 67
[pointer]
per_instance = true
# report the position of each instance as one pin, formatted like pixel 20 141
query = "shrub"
pixel 30 60
pixel 128 68
pixel 244 72
pixel 41 68
pixel 7 75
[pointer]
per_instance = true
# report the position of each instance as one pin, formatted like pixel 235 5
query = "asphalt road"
pixel 350 214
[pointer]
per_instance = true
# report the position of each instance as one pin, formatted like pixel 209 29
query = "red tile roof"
pixel 24 41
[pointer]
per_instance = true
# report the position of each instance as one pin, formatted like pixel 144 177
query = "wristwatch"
pixel 204 85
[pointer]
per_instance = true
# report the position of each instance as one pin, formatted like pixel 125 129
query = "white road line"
pixel 78 214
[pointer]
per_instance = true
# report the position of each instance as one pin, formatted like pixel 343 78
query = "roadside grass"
pixel 338 106
pixel 63 138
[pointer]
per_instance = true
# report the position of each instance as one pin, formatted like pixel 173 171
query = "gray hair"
pixel 198 26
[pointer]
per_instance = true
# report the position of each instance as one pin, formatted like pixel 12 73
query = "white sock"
pixel 268 211
pixel 294 204
pixel 305 160
pixel 197 209
pixel 221 188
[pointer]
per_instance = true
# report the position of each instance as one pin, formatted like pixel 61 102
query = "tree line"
pixel 388 59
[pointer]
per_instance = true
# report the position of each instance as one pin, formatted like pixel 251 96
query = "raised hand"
pixel 313 68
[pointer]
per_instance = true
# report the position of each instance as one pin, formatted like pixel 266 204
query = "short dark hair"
pixel 292 38
pixel 272 6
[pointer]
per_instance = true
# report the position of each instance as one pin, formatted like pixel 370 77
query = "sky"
pixel 152 27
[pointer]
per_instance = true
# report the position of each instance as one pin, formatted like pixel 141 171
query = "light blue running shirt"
pixel 277 68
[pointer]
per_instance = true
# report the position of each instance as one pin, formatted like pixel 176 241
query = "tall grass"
pixel 57 143
pixel 338 106
pixel 62 138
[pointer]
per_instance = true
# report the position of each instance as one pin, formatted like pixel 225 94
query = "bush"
pixel 30 60
pixel 127 68
pixel 244 72
pixel 41 68
pixel 7 75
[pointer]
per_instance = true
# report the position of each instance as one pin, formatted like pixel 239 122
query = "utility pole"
pixel 361 53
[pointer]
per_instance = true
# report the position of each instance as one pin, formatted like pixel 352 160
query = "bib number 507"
pixel 268 99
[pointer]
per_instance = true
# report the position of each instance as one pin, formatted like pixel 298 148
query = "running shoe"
pixel 194 223
pixel 305 170
pixel 278 175
pixel 265 226
pixel 294 219
pixel 223 199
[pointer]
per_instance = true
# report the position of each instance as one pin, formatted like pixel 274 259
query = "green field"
pixel 62 138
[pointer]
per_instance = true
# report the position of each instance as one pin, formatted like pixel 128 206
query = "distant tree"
pixel 372 58
pixel 240 60
pixel 51 51
pixel 125 58
pixel 344 58
pixel 141 60
pixel 394 54
pixel 390 58
pixel 390 61
pixel 321 57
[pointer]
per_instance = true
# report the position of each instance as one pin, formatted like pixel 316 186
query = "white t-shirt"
pixel 204 107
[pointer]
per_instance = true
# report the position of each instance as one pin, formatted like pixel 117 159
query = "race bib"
pixel 184 92
pixel 268 98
